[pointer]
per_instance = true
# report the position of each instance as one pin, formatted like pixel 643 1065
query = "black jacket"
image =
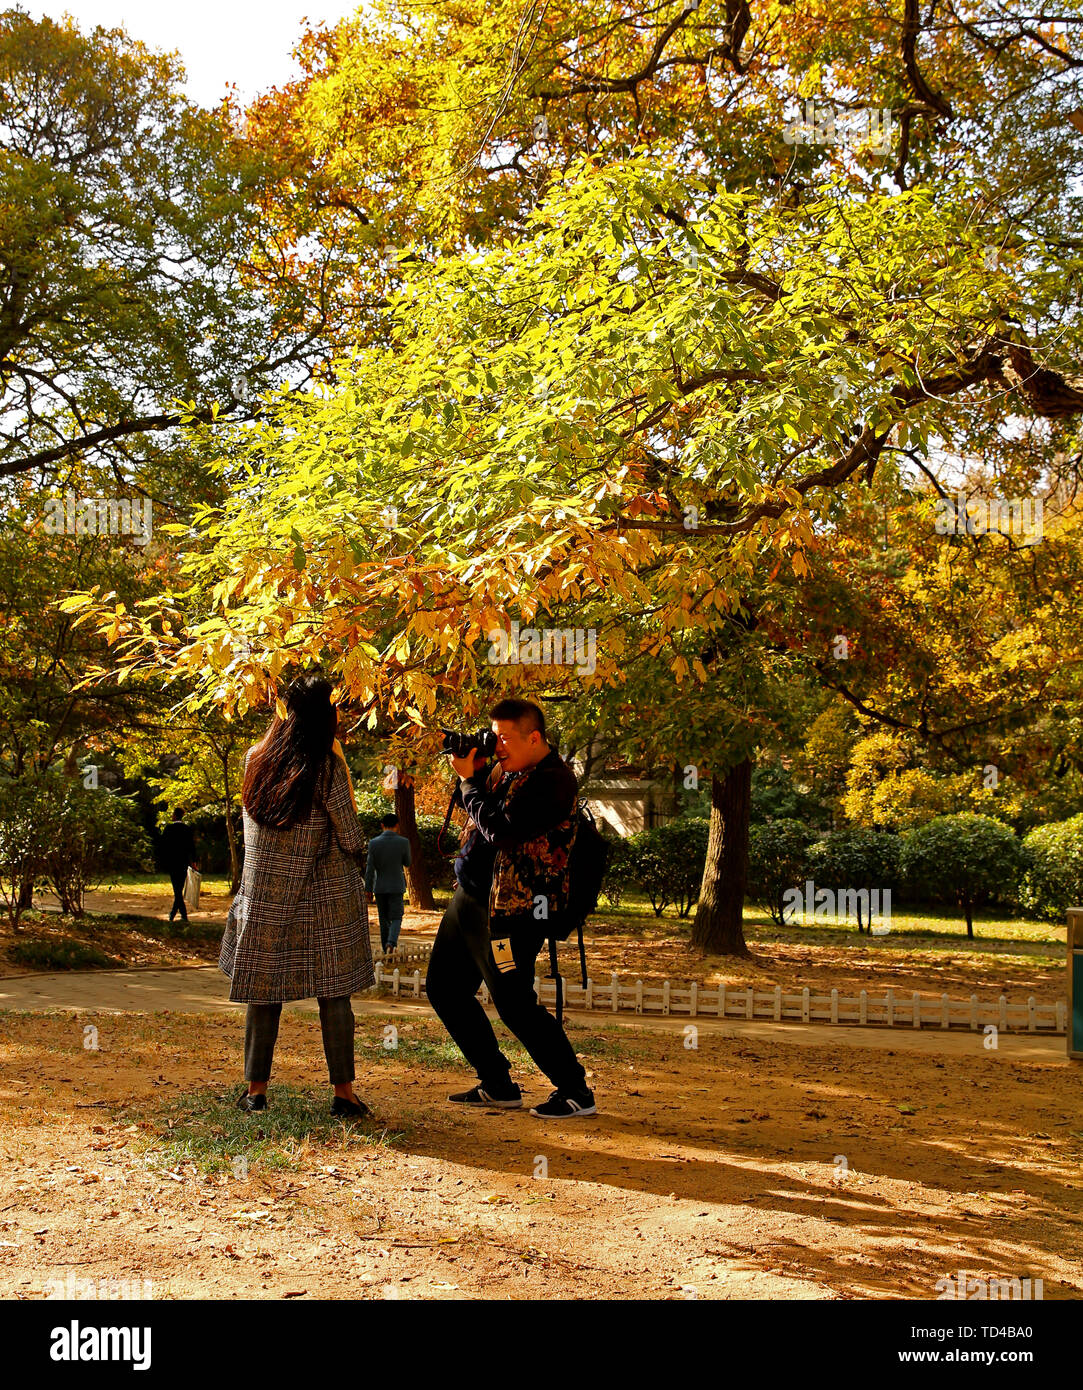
pixel 178 846
pixel 526 821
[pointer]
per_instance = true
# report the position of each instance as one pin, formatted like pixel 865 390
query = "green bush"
pixel 54 830
pixel 24 843
pixel 93 836
pixel 372 806
pixel 619 874
pixel 667 862
pixel 1053 878
pixel 858 859
pixel 777 861
pixel 965 859
pixel 60 955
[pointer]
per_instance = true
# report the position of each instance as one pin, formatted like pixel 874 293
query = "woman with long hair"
pixel 298 927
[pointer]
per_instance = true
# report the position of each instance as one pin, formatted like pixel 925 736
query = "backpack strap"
pixel 580 809
pixel 555 971
pixel 556 977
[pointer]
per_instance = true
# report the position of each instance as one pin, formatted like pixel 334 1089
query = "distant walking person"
pixel 389 854
pixel 298 926
pixel 178 852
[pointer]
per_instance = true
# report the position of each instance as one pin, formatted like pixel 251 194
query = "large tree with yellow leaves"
pixel 618 391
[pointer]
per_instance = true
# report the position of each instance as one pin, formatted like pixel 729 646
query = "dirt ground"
pixel 823 1167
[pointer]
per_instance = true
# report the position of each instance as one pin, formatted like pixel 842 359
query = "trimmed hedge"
pixel 777 861
pixel 64 954
pixel 965 859
pixel 855 859
pixel 619 876
pixel 1053 878
pixel 54 830
pixel 667 862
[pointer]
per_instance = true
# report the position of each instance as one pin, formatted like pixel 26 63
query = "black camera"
pixel 462 745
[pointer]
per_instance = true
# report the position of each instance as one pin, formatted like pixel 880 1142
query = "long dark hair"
pixel 292 766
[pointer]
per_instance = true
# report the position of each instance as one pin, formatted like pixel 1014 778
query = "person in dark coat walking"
pixel 298 926
pixel 389 854
pixel 178 852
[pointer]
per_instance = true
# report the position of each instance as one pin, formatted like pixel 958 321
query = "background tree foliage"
pixel 622 357
pixel 127 217
pixel 128 214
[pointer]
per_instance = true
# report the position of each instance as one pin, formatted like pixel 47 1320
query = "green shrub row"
pixel 966 860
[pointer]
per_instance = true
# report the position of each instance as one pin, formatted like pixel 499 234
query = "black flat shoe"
pixel 348 1109
pixel 249 1103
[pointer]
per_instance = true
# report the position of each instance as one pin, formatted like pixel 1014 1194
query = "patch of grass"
pixel 122 921
pixel 435 1056
pixel 593 1048
pixel 425 1044
pixel 205 1128
pixel 60 953
pixel 151 885
pixel 167 931
pixel 421 1043
pixel 635 916
pixel 935 922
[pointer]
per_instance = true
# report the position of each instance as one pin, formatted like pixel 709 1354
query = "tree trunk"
pixel 969 921
pixel 21 900
pixel 417 875
pixel 718 929
pixel 234 858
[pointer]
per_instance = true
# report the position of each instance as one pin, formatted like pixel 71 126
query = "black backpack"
pixel 587 863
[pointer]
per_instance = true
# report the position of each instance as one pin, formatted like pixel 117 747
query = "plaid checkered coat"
pixel 298 927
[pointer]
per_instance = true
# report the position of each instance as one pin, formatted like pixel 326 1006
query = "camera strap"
pixel 443 829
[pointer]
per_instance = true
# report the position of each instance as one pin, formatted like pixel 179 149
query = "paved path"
pixel 204 989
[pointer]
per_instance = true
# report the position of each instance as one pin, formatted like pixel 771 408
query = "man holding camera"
pixel 512 874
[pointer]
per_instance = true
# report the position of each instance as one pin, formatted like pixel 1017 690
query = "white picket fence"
pixel 889 1010
pixel 404 953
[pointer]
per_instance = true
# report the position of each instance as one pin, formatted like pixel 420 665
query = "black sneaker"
pixel 345 1108
pixel 510 1099
pixel 564 1105
pixel 249 1103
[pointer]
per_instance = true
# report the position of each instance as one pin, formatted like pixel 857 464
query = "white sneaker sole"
pixel 489 1104
pixel 571 1115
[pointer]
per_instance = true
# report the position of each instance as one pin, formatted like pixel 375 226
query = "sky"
pixel 248 42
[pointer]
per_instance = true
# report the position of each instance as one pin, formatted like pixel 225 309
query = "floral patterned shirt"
pixel 530 817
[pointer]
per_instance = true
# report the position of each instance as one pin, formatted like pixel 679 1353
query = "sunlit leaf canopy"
pixel 527 444
pixel 445 122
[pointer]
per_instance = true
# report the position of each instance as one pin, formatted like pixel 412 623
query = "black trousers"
pixel 261 1034
pixel 177 878
pixel 389 907
pixel 462 956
